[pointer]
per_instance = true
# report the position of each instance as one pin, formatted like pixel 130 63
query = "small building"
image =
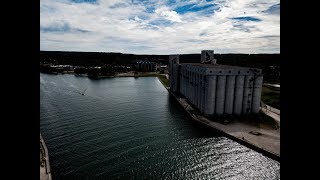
pixel 161 67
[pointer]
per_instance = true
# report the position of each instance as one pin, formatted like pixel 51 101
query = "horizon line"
pixel 148 54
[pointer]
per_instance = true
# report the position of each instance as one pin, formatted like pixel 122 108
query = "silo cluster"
pixel 146 66
pixel 217 89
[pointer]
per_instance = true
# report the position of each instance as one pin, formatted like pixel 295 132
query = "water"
pixel 130 128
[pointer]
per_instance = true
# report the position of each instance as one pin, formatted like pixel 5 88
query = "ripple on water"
pixel 130 128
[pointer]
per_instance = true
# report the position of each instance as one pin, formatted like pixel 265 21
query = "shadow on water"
pixel 197 129
pixel 96 79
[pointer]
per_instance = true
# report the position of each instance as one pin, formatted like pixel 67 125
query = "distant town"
pixel 99 64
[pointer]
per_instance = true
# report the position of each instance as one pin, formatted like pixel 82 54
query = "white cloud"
pixel 122 26
pixel 167 14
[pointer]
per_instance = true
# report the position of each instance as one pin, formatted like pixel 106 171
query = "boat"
pixel 83 92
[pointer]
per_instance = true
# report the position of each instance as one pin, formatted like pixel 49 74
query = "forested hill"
pixel 269 63
pixel 96 58
pixel 83 58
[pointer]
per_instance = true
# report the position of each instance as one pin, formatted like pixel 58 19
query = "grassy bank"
pixel 163 79
pixel 259 120
pixel 267 121
pixel 271 96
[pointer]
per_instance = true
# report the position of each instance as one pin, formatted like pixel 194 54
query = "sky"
pixel 160 27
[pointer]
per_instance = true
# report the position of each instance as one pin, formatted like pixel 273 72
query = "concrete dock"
pixel 45 172
pixel 263 140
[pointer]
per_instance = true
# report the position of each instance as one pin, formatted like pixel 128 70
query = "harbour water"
pixel 132 128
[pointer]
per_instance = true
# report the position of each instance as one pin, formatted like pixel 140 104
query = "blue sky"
pixel 160 27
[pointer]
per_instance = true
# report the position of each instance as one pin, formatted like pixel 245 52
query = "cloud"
pixel 274 9
pixel 61 27
pixel 160 27
pixel 168 14
pixel 84 1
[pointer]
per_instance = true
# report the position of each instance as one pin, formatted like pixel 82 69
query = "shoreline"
pixel 268 143
pixel 129 74
pixel 47 174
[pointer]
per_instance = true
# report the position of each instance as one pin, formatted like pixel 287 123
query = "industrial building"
pixel 216 89
pixel 146 66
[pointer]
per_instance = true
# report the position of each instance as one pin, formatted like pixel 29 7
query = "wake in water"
pixel 69 88
pixel 82 93
pixel 75 91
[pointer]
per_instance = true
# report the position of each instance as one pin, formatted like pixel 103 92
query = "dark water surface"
pixel 130 128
